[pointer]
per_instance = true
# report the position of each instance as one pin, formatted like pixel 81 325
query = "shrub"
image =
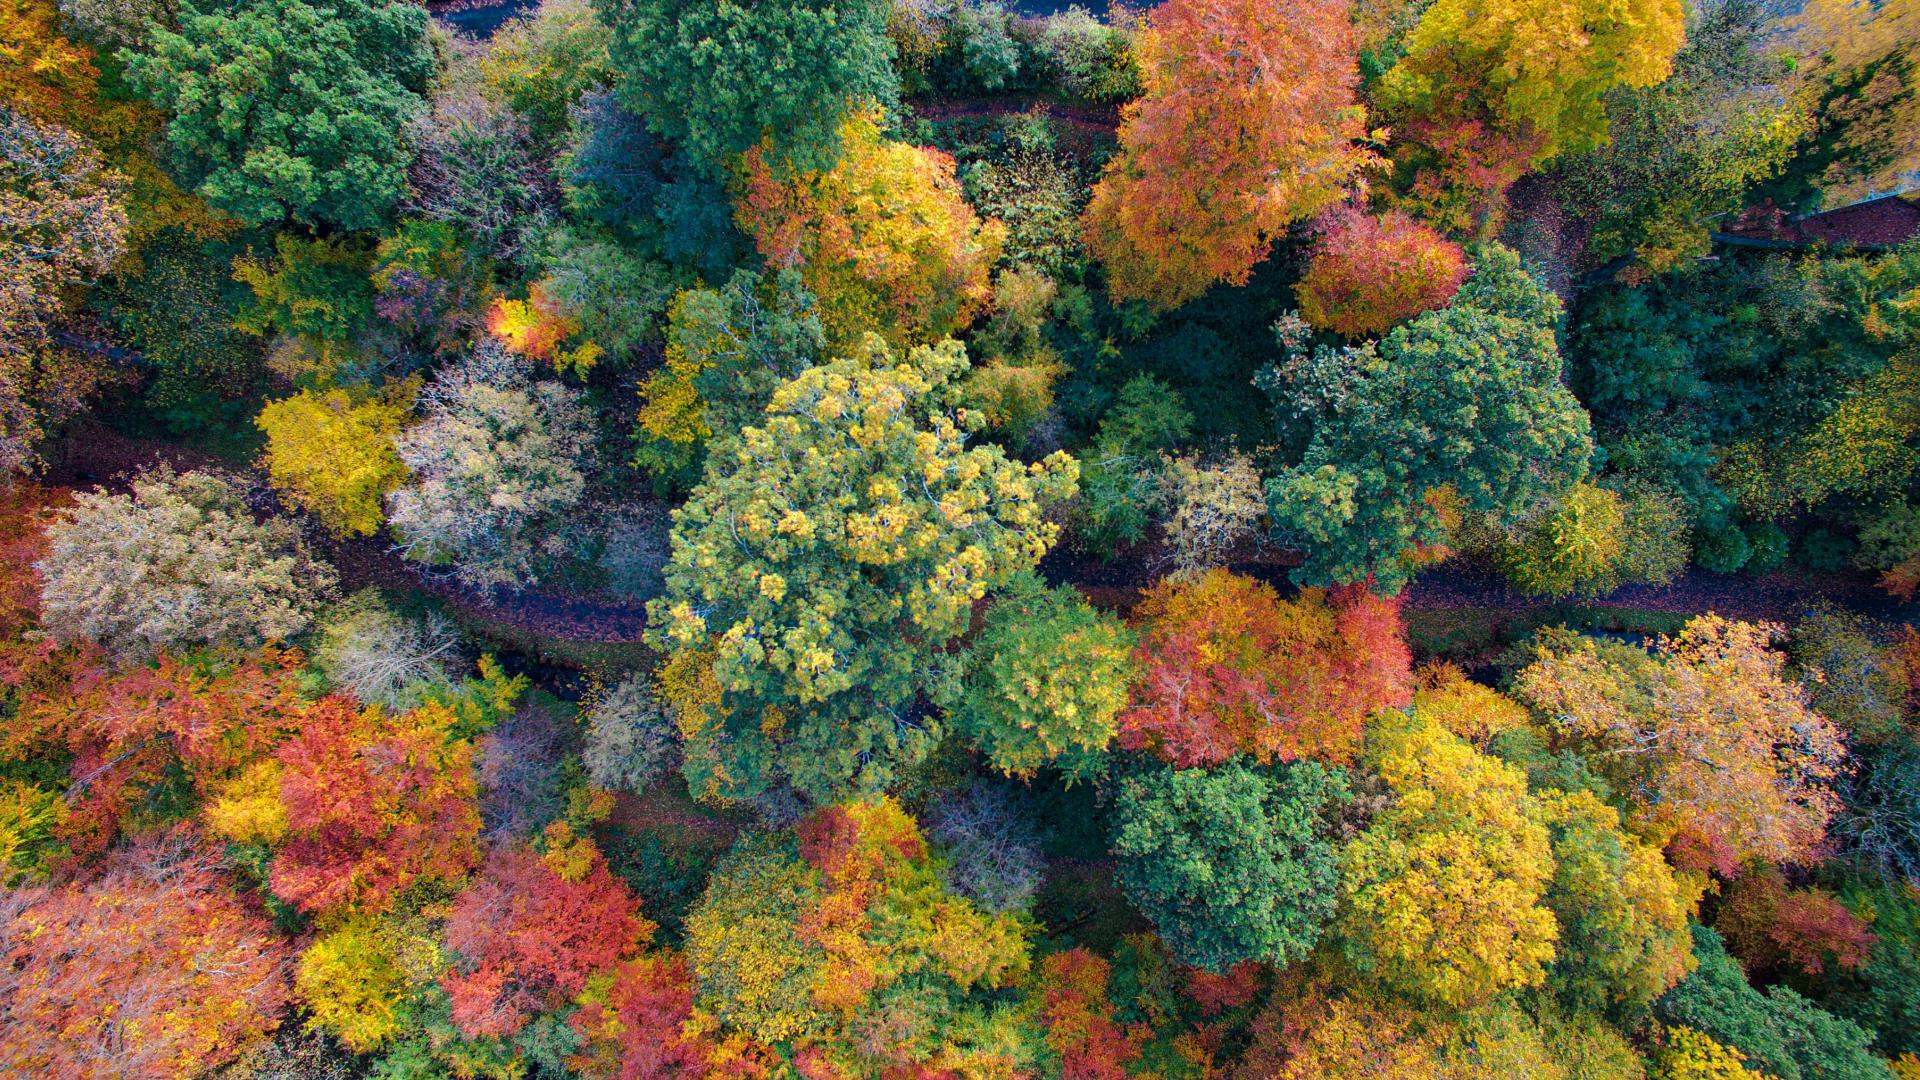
pixel 382 658
pixel 1039 197
pixel 1575 548
pixel 1850 679
pixel 631 738
pixel 542 63
pixel 177 562
pixel 1656 545
pixel 1768 547
pixel 1723 550
pixel 1213 509
pixel 1369 273
pixel 1092 59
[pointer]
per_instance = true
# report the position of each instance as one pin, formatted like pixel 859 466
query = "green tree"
pixel 1575 547
pixel 1231 863
pixel 716 78
pixel 318 289
pixel 1045 681
pixel 1683 151
pixel 1780 1033
pixel 284 110
pixel 728 349
pixel 1463 406
pixel 828 556
pixel 1622 911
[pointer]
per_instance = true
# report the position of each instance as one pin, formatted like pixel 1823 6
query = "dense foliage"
pixel 922 540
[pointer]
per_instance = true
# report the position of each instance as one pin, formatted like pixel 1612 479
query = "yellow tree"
pixel 851 947
pixel 1863 63
pixel 1706 733
pixel 884 239
pixel 1539 66
pixel 333 455
pixel 1248 123
pixel 1484 93
pixel 1441 897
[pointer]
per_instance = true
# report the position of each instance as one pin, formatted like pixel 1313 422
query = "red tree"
pixel 531 937
pixel 1371 273
pixel 374 803
pixel 153 968
pixel 633 1023
pixel 1078 1017
pixel 1228 667
pixel 1769 925
pixel 126 727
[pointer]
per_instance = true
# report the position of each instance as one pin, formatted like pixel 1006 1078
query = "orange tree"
pixel 530 931
pixel 1248 123
pixel 1704 734
pixel 1371 272
pixel 153 968
pixel 374 803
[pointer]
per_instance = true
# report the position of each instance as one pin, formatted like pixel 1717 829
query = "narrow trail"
pixel 96 455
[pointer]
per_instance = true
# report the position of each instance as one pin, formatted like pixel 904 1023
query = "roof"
pixel 1882 222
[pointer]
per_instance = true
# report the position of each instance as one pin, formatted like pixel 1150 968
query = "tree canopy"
pixel 261 133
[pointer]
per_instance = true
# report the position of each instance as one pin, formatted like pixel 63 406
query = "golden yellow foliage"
pixel 1691 1055
pixel 884 239
pixel 1441 897
pixel 248 809
pixel 1474 712
pixel 356 979
pixel 334 455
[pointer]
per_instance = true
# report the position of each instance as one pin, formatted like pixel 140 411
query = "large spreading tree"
pixel 1248 123
pixel 826 559
pixel 1460 410
pixel 1703 735
pixel 283 110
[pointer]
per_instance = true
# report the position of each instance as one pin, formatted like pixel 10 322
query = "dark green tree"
pixel 1231 863
pixel 1781 1033
pixel 1462 409
pixel 283 110
pixel 716 78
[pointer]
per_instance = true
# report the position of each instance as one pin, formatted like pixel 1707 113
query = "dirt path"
pixel 364 562
pixel 96 455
